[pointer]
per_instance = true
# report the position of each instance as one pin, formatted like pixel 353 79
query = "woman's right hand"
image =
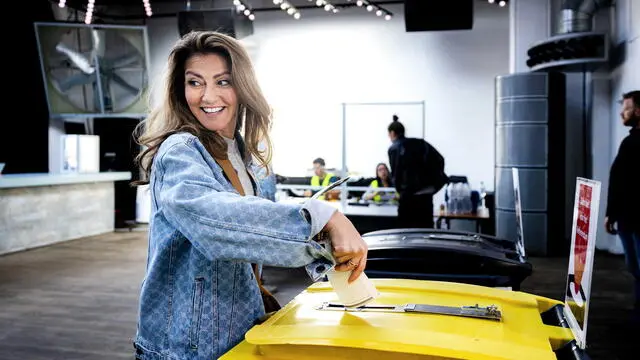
pixel 349 250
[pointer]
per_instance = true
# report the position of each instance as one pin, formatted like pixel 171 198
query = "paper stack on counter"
pixel 358 293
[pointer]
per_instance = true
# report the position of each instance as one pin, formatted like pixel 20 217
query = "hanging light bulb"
pixel 88 16
pixel 244 9
pixel 147 7
pixel 379 11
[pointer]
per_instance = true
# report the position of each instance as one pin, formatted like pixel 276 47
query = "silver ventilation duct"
pixel 577 15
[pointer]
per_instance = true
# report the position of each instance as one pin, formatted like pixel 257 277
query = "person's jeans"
pixel 630 238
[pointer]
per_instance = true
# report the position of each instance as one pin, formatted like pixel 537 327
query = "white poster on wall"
pixel 583 241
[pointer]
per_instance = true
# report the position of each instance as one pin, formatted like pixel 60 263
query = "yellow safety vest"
pixel 315 181
pixel 374 184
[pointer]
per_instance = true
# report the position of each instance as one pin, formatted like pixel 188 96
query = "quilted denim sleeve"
pixel 224 225
pixel 319 214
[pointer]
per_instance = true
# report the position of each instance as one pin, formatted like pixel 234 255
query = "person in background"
pixel 321 178
pixel 623 200
pixel 417 171
pixel 383 179
pixel 212 213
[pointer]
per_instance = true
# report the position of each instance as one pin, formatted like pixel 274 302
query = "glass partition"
pixel 365 135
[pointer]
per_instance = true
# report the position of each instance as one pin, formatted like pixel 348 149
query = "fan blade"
pixel 122 61
pixel 75 80
pixel 78 60
pixel 120 81
pixel 99 42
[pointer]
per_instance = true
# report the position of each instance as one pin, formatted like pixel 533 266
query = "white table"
pixel 354 210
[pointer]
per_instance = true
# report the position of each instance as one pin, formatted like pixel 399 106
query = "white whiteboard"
pixel 367 139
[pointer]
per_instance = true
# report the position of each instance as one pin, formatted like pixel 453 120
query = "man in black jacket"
pixel 623 206
pixel 417 170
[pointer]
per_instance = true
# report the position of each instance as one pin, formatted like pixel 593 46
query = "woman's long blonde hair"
pixel 172 115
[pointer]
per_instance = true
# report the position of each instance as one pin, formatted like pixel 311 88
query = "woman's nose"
pixel 210 94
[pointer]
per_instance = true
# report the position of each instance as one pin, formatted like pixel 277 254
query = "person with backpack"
pixel 417 170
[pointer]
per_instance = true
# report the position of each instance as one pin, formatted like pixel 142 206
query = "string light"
pixel 88 16
pixel 244 9
pixel 371 7
pixel 326 5
pixel 62 3
pixel 501 3
pixel 147 8
pixel 288 8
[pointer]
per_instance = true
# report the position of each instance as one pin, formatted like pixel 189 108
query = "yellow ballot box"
pixel 410 319
pixel 420 319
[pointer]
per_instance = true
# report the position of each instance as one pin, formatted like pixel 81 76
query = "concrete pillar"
pixel 530 21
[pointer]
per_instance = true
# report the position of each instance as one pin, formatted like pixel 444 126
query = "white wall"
pixel 308 68
pixel 625 78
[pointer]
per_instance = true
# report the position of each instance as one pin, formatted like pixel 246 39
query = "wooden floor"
pixel 78 300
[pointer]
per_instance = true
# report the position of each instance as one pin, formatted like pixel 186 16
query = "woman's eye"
pixel 224 82
pixel 194 82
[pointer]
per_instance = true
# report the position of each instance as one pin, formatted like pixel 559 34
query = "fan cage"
pixel 94 70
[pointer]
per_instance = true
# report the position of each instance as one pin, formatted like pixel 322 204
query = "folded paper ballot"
pixel 358 293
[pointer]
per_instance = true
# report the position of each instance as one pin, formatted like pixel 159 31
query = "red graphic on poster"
pixel 582 235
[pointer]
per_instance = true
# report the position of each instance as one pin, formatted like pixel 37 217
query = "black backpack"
pixel 434 166
pixel 421 166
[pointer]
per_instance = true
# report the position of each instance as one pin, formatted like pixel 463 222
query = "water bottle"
pixel 466 198
pixel 448 197
pixel 457 198
pixel 483 194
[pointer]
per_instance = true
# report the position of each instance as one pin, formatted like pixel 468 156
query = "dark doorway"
pixel 118 150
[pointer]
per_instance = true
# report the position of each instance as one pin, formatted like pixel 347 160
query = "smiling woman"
pixel 209 93
pixel 205 74
pixel 213 220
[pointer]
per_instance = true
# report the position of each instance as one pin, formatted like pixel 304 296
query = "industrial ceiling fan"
pixel 97 69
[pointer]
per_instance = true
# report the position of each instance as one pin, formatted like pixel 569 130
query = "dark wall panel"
pixel 24 134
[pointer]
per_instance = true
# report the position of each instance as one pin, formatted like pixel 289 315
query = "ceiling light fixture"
pixel 147 8
pixel 371 7
pixel 501 3
pixel 326 5
pixel 88 16
pixel 288 8
pixel 244 9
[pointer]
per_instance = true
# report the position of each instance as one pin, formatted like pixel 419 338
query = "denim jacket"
pixel 199 295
